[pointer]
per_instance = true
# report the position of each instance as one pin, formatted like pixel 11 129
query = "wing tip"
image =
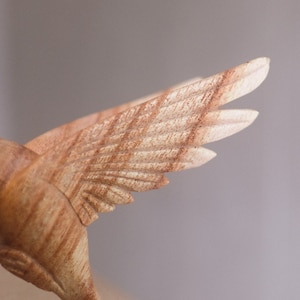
pixel 244 79
pixel 258 70
pixel 197 157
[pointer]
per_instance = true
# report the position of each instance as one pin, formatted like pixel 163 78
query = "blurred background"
pixel 227 230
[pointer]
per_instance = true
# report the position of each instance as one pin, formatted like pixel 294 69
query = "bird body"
pixel 54 186
pixel 42 239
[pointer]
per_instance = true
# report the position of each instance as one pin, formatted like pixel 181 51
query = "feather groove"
pixel 217 120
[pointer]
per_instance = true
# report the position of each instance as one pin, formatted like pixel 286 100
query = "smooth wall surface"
pixel 228 230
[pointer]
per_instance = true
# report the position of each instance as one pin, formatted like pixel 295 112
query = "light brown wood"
pixel 55 186
pixel 14 288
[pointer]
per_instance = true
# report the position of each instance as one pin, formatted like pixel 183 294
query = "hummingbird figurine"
pixel 54 186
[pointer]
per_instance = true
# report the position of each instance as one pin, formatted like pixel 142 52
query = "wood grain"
pixel 55 185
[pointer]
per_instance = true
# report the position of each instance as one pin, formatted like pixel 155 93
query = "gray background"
pixel 228 230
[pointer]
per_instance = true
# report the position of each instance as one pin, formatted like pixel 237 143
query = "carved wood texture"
pixel 55 185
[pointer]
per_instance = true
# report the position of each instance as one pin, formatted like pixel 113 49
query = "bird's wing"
pixel 55 136
pixel 99 166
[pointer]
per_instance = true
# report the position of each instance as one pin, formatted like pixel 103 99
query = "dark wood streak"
pixel 209 97
pixel 134 123
pixel 75 192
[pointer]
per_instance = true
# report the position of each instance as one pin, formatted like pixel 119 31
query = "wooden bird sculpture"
pixel 54 186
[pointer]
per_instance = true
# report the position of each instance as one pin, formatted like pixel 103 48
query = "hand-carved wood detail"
pixel 55 185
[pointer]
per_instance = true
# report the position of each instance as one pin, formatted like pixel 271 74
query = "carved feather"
pixel 55 185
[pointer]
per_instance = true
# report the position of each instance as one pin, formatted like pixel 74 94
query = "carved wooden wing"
pixel 99 166
pixel 49 139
